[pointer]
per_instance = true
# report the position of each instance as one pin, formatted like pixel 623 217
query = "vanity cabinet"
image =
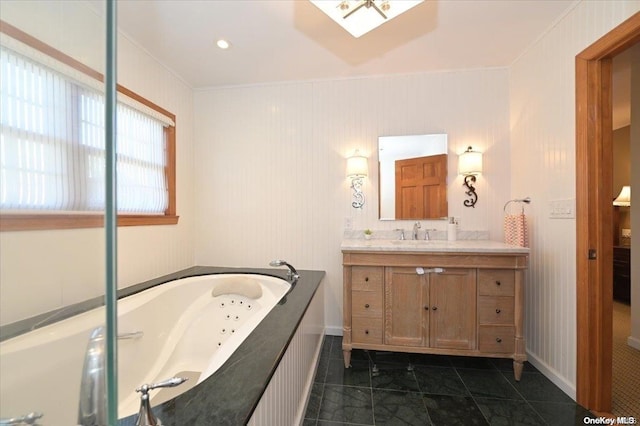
pixel 424 309
pixel 450 303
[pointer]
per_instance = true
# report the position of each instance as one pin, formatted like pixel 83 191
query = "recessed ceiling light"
pixel 223 44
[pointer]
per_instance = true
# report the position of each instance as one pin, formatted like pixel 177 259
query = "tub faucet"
pixel 28 419
pixel 292 274
pixel 92 408
pixel 416 226
pixel 145 415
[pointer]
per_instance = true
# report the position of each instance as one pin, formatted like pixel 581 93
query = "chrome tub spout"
pixel 292 274
pixel 92 408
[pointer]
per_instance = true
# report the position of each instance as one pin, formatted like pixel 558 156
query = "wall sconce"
pixel 469 165
pixel 624 197
pixel 357 169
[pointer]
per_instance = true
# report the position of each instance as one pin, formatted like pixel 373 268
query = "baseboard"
pixel 333 331
pixel 634 342
pixel 551 374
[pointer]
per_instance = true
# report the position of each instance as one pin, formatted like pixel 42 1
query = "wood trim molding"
pixel 594 168
pixel 39 222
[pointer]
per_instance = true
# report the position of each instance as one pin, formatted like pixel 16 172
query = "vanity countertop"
pixel 460 246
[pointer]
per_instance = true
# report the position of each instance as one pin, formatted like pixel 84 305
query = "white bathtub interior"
pixel 189 326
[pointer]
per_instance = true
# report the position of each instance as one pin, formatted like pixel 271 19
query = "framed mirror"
pixel 413 177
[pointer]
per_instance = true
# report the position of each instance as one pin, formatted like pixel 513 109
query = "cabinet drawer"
pixel 366 278
pixel 366 304
pixel 366 330
pixel 495 310
pixel 496 282
pixel 496 338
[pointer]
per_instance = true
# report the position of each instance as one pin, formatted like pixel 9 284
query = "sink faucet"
pixel 416 226
pixel 427 237
pixel 401 233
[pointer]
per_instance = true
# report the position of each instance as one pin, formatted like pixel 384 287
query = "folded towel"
pixel 515 230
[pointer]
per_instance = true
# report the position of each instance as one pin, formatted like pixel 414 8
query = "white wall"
pixel 542 106
pixel 44 270
pixel 270 163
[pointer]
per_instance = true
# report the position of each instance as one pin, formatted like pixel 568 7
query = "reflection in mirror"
pixel 413 177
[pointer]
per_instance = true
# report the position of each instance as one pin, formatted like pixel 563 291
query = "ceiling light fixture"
pixel 370 13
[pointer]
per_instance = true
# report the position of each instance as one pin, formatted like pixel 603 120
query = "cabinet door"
pixel 453 309
pixel 406 307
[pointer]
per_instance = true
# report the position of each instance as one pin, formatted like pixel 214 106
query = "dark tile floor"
pixel 440 390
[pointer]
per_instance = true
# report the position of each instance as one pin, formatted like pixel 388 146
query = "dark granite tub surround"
pixel 231 394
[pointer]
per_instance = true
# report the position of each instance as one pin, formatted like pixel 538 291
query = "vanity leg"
pixel 347 357
pixel 517 369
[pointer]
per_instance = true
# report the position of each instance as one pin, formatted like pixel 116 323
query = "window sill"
pixel 32 222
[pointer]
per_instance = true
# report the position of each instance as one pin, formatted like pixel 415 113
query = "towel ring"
pixel 526 200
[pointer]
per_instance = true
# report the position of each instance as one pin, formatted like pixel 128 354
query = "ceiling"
pixel 292 40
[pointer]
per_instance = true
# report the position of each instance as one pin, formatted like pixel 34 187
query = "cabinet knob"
pixel 435 308
pixel 366 305
pixel 366 279
pixel 497 311
pixel 498 282
pixel 498 339
pixel 426 308
pixel 366 332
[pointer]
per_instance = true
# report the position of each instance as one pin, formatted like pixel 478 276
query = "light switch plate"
pixel 562 209
pixel 348 224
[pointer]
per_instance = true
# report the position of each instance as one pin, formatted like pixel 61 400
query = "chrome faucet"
pixel 28 419
pixel 292 274
pixel 401 233
pixel 427 237
pixel 92 408
pixel 145 415
pixel 416 226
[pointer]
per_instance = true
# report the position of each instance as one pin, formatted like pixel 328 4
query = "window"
pixel 52 145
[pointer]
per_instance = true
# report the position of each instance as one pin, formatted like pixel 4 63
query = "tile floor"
pixel 441 390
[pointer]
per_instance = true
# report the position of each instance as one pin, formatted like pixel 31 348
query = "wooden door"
pixel 453 309
pixel 406 307
pixel 421 187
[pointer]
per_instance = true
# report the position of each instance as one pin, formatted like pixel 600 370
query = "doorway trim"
pixel 594 211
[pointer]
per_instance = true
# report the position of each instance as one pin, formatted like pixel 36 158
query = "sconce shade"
pixel 357 166
pixel 624 198
pixel 470 162
pixel 361 16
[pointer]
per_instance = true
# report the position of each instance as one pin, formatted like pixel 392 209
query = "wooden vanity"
pixel 450 298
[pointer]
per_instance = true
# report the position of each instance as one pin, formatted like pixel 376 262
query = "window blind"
pixel 52 147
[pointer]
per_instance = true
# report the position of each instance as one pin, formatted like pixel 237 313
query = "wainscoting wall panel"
pixel 542 107
pixel 270 163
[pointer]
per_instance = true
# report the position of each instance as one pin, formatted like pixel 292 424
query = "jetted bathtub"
pixel 188 327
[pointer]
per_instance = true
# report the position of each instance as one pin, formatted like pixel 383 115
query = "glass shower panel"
pixel 52 239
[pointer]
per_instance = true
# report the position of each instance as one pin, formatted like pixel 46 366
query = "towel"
pixel 515 230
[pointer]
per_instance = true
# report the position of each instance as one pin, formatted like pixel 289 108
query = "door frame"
pixel 594 211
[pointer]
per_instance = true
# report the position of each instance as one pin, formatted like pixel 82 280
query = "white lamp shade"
pixel 624 198
pixel 470 162
pixel 366 18
pixel 357 166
